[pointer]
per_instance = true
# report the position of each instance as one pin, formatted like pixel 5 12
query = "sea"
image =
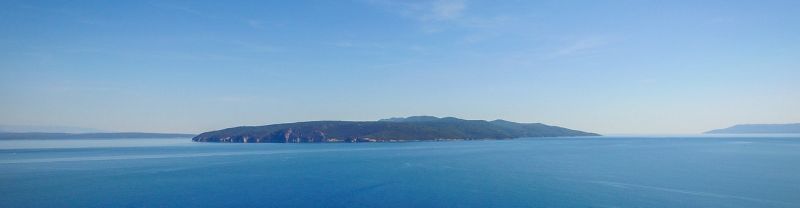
pixel 607 171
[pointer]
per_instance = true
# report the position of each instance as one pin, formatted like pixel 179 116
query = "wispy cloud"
pixel 180 8
pixel 254 47
pixel 439 10
pixel 358 44
pixel 72 14
pixel 255 24
pixel 442 15
pixel 447 9
pixel 721 20
pixel 235 99
pixel 249 22
pixel 193 56
pixel 565 48
pixel 580 46
pixel 366 45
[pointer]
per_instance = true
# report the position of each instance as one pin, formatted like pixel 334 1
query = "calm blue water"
pixel 542 172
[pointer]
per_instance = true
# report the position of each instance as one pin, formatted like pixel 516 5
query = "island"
pixel 759 129
pixel 415 128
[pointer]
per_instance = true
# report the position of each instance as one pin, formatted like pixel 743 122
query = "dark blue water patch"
pixel 533 172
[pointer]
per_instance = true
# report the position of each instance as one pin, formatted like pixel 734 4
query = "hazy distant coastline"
pixel 759 129
pixel 117 135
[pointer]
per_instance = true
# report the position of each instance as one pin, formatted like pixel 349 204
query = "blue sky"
pixel 602 66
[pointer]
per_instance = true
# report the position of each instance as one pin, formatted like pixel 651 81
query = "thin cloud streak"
pixel 580 46
pixel 441 10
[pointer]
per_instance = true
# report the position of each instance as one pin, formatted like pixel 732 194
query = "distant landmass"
pixel 39 128
pixel 759 129
pixel 415 128
pixel 119 135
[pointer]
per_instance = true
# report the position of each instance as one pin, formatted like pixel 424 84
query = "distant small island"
pixel 415 128
pixel 759 129
pixel 116 135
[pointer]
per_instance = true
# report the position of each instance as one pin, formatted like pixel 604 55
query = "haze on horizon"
pixel 599 66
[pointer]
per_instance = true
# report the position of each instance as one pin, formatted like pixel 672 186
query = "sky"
pixel 622 66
